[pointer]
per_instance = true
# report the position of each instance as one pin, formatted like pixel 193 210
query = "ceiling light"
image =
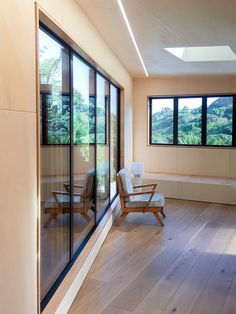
pixel 211 53
pixel 131 34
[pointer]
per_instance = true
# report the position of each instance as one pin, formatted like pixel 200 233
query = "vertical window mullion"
pixel 71 154
pixel 234 122
pixel 109 139
pixel 95 143
pixel 175 121
pixel 118 110
pixel 150 121
pixel 204 121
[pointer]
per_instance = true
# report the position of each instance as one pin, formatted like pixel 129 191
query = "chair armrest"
pixel 56 193
pixel 60 192
pixel 139 193
pixel 78 186
pixel 67 186
pixel 154 185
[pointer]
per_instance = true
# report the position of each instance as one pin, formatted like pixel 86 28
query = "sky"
pixel 191 103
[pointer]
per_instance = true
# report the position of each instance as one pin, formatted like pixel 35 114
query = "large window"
pixel 55 160
pixel 79 155
pixel 193 120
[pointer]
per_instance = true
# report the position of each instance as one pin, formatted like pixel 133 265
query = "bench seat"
pixel 192 187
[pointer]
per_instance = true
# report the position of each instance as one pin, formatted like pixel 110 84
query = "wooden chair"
pixel 145 201
pixel 60 202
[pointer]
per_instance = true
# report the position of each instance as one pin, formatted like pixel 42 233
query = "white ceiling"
pixel 159 24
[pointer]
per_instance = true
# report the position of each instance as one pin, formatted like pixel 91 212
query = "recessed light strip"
pixel 131 34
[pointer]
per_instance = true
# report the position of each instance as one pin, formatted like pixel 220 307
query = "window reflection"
pixel 113 140
pixel 55 166
pixel 79 154
pixel 84 153
pixel 102 148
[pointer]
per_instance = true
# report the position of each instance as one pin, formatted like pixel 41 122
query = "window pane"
pixel 54 85
pixel 84 153
pixel 219 120
pixel 55 159
pixel 58 119
pixel 189 121
pixel 102 148
pixel 162 121
pixel 113 140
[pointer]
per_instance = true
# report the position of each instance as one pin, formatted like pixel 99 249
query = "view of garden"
pixel 218 121
pixel 57 106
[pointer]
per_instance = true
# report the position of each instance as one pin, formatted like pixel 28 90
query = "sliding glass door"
pixel 102 147
pixel 83 150
pixel 79 153
pixel 55 158
pixel 114 162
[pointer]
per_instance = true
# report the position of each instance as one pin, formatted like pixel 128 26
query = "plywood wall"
pixel 180 160
pixel 18 198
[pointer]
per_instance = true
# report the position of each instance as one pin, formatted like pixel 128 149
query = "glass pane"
pixel 55 167
pixel 219 120
pixel 162 121
pixel 190 121
pixel 113 140
pixel 84 153
pixel 102 147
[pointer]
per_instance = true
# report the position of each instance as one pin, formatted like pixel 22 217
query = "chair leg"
pixel 51 217
pixel 162 212
pixel 122 218
pixel 159 219
pixel 86 217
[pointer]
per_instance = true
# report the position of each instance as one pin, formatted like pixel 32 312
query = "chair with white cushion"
pixel 83 202
pixel 146 201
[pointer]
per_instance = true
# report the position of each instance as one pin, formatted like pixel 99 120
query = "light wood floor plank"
pixel 230 303
pixel 145 281
pixel 219 284
pixel 187 293
pixel 188 266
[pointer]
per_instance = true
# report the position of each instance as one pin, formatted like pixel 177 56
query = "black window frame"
pixel 204 121
pixel 72 52
pixel 44 142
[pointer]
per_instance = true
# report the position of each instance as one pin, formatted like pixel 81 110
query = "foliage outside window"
pixel 195 120
pixel 56 102
pixel 162 120
pixel 189 121
pixel 219 120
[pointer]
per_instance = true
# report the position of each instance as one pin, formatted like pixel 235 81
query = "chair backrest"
pixel 89 183
pixel 125 186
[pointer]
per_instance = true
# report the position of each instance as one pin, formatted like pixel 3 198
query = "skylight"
pixel 212 53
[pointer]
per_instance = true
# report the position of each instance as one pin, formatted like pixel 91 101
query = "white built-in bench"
pixel 198 188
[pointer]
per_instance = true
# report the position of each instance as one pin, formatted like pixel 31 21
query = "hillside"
pixel 219 124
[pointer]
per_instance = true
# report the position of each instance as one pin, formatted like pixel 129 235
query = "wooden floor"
pixel 188 266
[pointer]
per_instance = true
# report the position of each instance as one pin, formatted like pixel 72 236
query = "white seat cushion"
pixel 63 201
pixel 158 200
